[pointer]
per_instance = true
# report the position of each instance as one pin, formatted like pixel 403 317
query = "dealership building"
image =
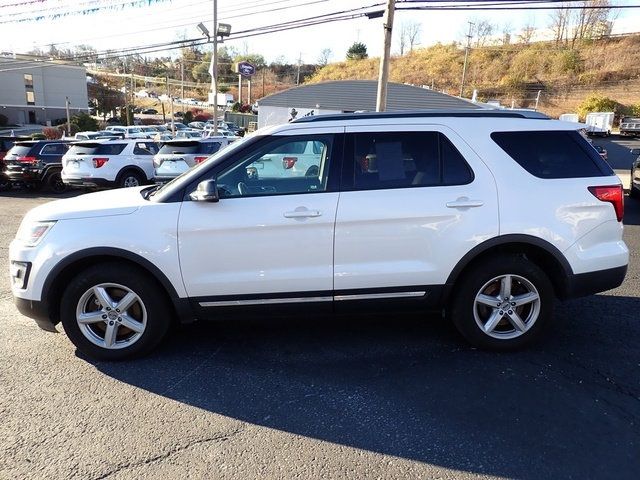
pixel 346 96
pixel 35 91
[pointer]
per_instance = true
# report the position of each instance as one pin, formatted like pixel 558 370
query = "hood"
pixel 122 201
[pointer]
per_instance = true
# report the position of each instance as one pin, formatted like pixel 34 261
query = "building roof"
pixel 354 95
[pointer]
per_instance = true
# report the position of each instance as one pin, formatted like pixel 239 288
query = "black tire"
pixel 149 313
pixel 5 184
pixel 485 278
pixel 54 182
pixel 130 178
pixel 634 193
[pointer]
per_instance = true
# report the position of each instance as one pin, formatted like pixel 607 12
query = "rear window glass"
pixel 97 149
pixel 19 150
pixel 180 148
pixel 553 154
pixel 209 147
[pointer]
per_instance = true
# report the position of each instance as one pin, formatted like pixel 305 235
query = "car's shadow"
pixel 407 386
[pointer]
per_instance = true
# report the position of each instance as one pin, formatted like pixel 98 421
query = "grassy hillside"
pixel 515 73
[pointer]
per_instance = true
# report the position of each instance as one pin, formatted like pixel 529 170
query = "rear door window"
pixel 385 160
pixel 553 154
pixel 55 149
pixel 145 148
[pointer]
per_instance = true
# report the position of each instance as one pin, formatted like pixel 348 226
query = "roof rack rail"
pixel 424 114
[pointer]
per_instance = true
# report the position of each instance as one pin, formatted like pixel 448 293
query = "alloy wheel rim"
pixel 506 307
pixel 111 316
pixel 131 182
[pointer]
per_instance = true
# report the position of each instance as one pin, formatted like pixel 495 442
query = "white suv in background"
pixel 487 215
pixel 178 156
pixel 109 163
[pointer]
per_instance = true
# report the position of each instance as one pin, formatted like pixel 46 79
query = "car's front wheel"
pixel 503 303
pixel 5 183
pixel 114 312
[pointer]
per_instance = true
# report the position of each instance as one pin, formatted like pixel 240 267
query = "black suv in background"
pixel 6 143
pixel 37 163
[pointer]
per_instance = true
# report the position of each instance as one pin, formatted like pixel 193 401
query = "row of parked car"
pixel 128 162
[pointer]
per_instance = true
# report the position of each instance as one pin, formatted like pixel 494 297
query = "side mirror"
pixel 207 191
pixel 635 151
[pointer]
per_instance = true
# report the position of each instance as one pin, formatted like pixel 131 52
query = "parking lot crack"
pixel 173 451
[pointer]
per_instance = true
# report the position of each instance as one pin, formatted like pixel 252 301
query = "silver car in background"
pixel 178 156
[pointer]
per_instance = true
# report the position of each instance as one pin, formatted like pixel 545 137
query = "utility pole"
pixel 182 82
pixel 538 99
pixel 466 57
pixel 299 63
pixel 214 75
pixel 68 116
pixel 383 76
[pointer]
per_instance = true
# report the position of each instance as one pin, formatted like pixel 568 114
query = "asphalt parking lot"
pixel 360 397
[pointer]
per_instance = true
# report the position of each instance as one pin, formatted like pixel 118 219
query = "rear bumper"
pixel 583 284
pixel 88 182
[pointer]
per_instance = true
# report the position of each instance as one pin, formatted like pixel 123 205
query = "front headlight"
pixel 30 234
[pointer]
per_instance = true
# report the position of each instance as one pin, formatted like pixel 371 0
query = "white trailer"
pixel 599 123
pixel 569 117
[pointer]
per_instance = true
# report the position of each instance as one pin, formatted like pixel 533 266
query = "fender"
pixel 182 306
pixel 506 240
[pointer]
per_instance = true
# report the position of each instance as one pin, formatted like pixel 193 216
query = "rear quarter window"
pixel 553 154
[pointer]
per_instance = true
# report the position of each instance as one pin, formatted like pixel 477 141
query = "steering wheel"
pixel 243 189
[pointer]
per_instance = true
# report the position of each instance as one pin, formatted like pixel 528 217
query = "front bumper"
pixel 37 310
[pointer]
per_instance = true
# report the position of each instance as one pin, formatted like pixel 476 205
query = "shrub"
pixel 37 136
pixel 3 120
pixel 202 117
pixel 52 133
pixel 84 122
pixel 597 103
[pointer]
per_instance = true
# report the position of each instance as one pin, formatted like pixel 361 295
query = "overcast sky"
pixel 172 20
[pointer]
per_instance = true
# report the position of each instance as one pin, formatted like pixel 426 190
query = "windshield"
pixel 188 176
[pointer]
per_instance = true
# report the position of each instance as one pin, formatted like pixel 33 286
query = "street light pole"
pixel 383 77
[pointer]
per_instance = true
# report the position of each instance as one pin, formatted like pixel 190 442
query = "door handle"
pixel 465 202
pixel 302 213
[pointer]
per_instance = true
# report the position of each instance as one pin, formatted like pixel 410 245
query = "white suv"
pixel 488 215
pixel 109 163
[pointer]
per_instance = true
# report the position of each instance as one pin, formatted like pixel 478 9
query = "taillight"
pixel 289 162
pixel 27 159
pixel 200 159
pixel 612 194
pixel 99 162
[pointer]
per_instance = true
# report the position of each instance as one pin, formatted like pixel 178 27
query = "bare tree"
pixel 325 55
pixel 409 35
pixel 507 32
pixel 483 31
pixel 593 22
pixel 528 31
pixel 561 23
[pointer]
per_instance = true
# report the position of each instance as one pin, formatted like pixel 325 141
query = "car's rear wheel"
pixel 5 184
pixel 503 303
pixel 130 178
pixel 114 312
pixel 54 182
